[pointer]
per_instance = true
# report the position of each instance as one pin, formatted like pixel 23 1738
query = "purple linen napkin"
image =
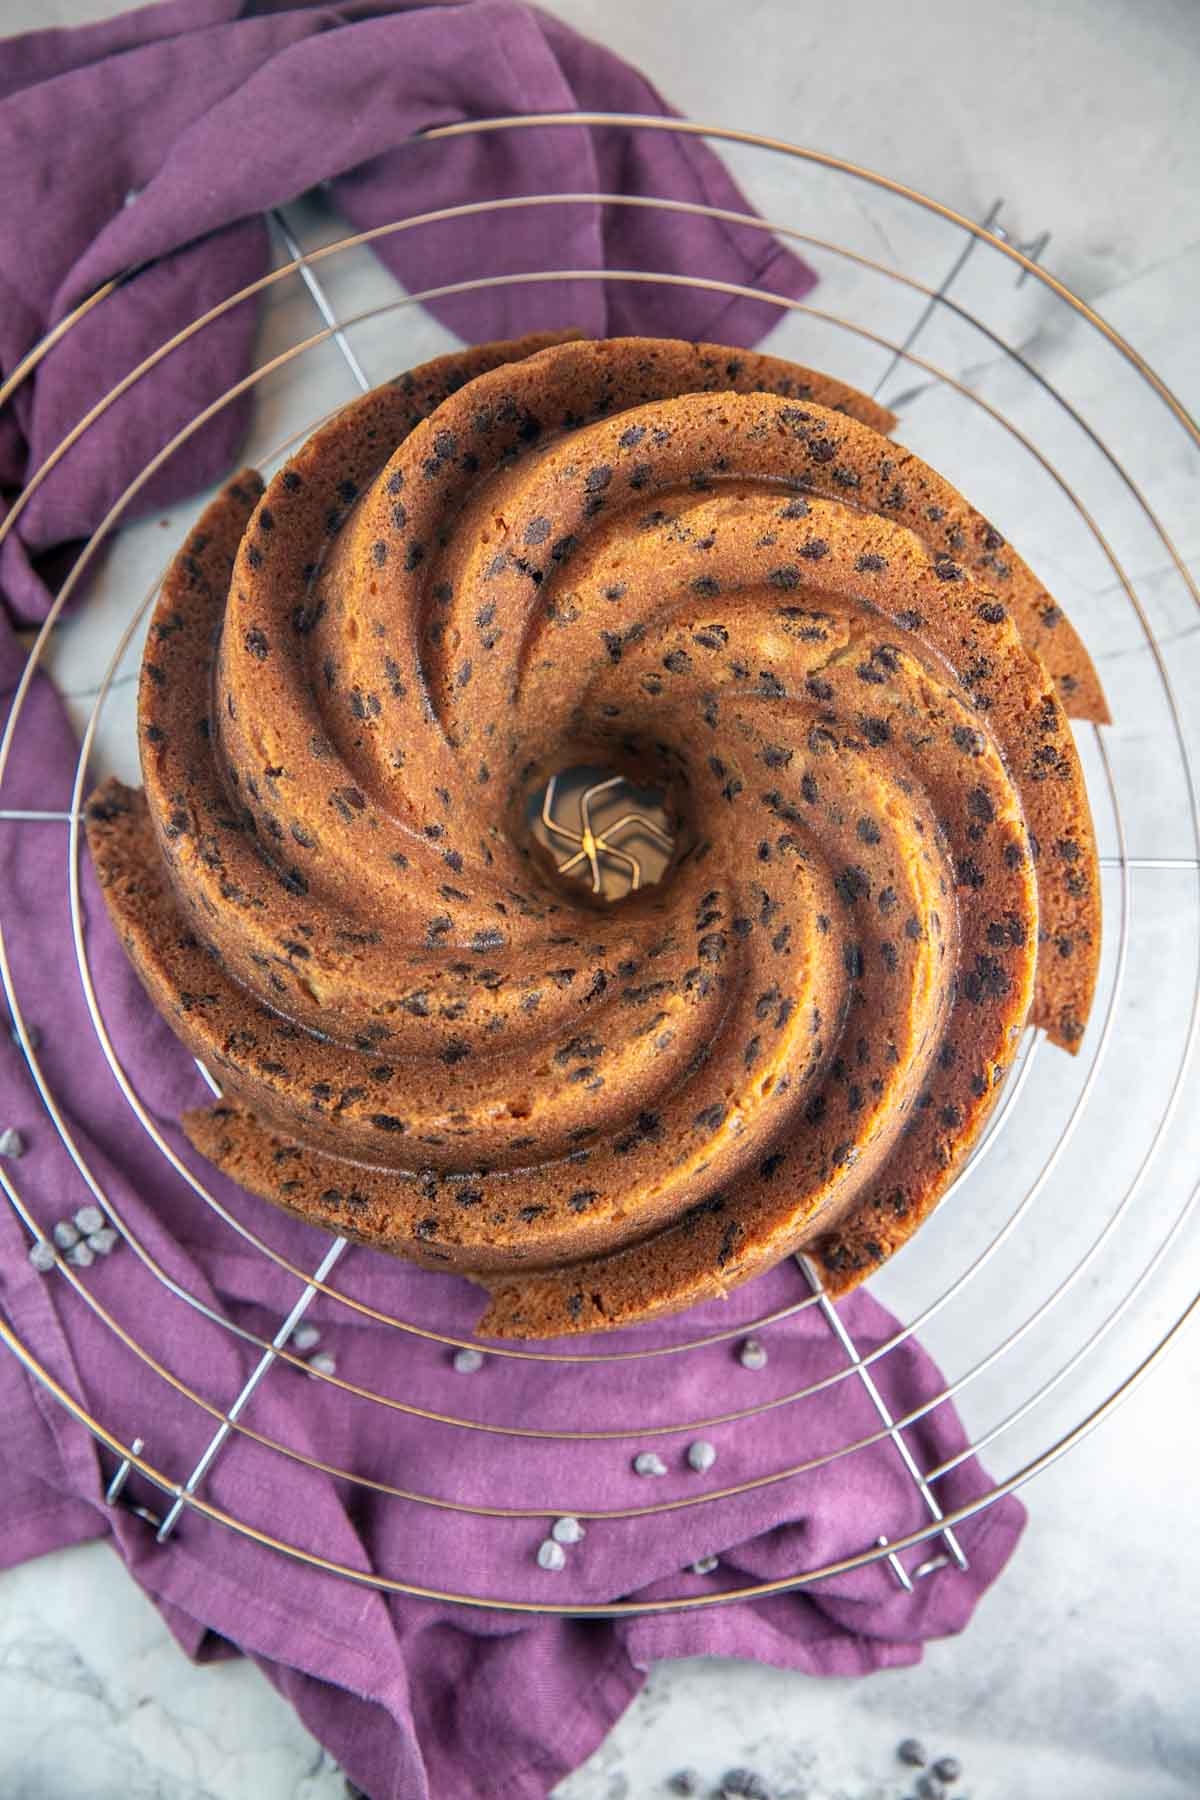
pixel 160 138
pixel 414 1696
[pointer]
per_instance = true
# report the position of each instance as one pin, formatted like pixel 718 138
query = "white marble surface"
pixel 1078 1675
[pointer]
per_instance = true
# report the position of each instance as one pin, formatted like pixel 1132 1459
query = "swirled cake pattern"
pixel 710 571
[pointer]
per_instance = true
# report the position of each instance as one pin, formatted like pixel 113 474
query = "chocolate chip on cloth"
pixel 792 1041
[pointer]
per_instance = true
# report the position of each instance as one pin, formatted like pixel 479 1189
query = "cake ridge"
pixel 540 554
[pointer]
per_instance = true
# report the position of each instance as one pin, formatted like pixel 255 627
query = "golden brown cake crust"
pixel 709 570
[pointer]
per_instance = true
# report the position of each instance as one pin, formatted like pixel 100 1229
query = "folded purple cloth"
pixel 160 138
pixel 206 115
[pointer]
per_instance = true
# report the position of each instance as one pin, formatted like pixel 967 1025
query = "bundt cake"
pixel 711 572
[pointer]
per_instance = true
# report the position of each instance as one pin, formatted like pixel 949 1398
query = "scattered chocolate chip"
pixel 743 1784
pixel 685 1781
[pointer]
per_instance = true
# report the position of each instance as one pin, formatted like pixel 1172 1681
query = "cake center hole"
pixel 604 833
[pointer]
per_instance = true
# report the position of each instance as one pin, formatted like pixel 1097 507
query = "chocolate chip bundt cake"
pixel 709 571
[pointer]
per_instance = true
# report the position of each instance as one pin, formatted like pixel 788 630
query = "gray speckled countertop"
pixel 1078 1675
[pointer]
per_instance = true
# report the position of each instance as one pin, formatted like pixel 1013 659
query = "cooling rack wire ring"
pixel 227 1418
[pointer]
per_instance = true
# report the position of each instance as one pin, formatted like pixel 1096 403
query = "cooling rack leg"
pixel 116 1487
pixel 1034 249
pixel 266 1360
pixel 927 311
pixel 320 299
pixel 896 1566
pixel 956 1553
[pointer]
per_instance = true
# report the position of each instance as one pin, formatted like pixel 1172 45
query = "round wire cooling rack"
pixel 1048 1282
